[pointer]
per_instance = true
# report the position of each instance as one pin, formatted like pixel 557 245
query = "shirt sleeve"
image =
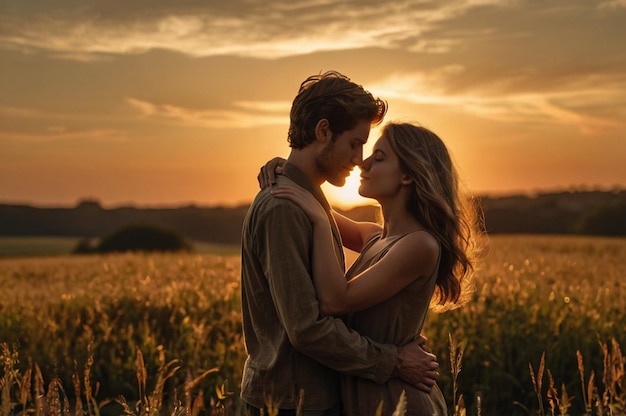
pixel 284 239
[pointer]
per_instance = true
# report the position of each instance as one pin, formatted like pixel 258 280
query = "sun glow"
pixel 347 196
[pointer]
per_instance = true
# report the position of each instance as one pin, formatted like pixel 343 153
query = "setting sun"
pixel 347 196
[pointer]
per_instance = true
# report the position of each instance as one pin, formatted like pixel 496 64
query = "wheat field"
pixel 143 333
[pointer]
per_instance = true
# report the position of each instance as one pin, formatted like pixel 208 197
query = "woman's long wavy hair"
pixel 437 203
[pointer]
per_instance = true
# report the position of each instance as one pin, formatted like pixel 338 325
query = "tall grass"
pixel 535 295
pixel 180 306
pixel 147 332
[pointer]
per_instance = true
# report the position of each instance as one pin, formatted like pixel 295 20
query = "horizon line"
pixel 187 204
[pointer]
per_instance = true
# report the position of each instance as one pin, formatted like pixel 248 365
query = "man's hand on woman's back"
pixel 417 366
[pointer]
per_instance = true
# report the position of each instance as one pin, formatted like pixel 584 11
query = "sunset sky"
pixel 167 103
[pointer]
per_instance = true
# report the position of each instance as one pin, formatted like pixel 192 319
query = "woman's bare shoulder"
pixel 419 248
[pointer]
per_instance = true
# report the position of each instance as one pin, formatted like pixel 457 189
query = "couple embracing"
pixel 323 341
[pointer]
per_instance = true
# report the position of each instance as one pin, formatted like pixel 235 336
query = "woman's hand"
pixel 305 200
pixel 268 172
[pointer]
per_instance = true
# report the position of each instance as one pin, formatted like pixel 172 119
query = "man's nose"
pixel 357 158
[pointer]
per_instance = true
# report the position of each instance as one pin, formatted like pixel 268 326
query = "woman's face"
pixel 381 177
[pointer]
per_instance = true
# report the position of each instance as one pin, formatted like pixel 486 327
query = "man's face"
pixel 340 156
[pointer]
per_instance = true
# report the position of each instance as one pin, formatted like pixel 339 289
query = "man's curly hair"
pixel 331 96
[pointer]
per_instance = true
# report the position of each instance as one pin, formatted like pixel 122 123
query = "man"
pixel 295 354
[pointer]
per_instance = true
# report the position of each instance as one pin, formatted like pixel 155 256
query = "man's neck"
pixel 304 160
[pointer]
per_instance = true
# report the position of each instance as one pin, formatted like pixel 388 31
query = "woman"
pixel 423 252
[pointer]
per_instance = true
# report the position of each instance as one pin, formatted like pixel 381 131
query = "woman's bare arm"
pixel 409 259
pixel 355 234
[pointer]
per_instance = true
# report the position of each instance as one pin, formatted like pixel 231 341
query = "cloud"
pixel 565 107
pixel 612 5
pixel 35 114
pixel 271 30
pixel 500 58
pixel 45 126
pixel 279 107
pixel 18 112
pixel 244 115
pixel 58 133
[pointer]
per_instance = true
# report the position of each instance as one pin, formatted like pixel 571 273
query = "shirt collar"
pixel 295 174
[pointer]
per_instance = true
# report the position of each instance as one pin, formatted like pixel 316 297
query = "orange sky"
pixel 167 104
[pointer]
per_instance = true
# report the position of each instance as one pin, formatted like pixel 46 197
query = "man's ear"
pixel 322 130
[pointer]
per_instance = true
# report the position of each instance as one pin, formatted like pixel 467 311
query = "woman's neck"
pixel 397 219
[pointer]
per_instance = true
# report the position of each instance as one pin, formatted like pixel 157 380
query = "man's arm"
pixel 286 240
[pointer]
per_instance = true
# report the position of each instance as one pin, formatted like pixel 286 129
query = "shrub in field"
pixel 136 237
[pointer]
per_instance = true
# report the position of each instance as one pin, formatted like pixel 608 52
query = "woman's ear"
pixel 322 130
pixel 406 180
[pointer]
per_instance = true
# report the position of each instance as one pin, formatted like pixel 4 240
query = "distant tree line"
pixel 89 219
pixel 584 212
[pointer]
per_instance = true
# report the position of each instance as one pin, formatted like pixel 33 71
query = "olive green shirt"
pixel 291 347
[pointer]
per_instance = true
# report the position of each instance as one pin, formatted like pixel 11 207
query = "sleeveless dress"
pixel 397 321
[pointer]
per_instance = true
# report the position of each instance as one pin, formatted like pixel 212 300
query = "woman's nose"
pixel 365 164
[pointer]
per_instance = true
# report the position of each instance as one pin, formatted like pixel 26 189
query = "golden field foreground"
pixel 149 333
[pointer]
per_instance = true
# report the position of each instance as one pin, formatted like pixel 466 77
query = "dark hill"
pixel 217 224
pixel 584 212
